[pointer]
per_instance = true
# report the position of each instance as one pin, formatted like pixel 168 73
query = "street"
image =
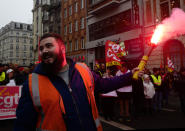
pixel 170 117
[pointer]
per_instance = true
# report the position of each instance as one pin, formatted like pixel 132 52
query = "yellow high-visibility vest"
pixel 2 76
pixel 157 81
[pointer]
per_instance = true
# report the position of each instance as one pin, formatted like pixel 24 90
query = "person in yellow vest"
pixel 3 79
pixel 59 94
pixel 157 82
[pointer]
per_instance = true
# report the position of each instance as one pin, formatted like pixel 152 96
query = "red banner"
pixel 9 97
pixel 112 52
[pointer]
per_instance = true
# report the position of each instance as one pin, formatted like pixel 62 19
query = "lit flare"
pixel 158 34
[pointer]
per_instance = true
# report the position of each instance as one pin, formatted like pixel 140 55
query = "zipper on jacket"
pixel 74 103
pixel 76 107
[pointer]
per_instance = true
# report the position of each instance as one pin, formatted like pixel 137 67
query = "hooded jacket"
pixel 75 121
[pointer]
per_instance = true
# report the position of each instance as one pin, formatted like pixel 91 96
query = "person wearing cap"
pixel 149 93
pixel 10 74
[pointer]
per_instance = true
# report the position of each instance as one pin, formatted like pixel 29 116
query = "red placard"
pixel 9 97
pixel 112 52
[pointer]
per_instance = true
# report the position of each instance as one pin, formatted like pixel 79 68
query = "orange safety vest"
pixel 49 103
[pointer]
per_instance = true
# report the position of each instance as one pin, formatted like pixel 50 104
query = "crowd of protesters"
pixel 14 75
pixel 146 96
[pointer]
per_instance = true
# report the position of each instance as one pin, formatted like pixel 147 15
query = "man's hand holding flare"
pixel 143 62
pixel 139 72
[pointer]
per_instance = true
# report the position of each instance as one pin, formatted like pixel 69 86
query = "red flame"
pixel 158 34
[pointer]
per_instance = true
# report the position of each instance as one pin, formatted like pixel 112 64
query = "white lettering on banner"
pixel 8 101
pixel 114 47
pixel 111 54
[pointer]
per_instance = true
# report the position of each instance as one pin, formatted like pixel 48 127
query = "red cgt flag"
pixel 112 53
pixel 170 65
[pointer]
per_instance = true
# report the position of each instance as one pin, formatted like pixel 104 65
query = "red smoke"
pixel 174 25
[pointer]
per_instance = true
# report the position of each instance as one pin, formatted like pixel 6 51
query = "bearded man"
pixel 59 94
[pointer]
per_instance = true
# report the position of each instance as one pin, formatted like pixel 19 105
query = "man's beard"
pixel 55 67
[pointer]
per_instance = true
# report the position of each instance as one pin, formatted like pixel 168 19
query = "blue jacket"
pixel 78 114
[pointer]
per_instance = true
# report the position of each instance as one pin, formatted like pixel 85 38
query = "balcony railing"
pixel 99 6
pixel 55 3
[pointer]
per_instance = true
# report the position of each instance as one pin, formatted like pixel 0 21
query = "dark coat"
pixel 179 84
pixel 27 115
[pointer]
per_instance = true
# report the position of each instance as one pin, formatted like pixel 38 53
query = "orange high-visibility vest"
pixel 49 103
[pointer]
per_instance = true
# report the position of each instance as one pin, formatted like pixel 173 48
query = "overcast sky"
pixel 15 10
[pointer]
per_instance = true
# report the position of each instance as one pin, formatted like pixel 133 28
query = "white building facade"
pixel 16 44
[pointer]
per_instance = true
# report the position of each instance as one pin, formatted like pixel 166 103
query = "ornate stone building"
pixel 16 44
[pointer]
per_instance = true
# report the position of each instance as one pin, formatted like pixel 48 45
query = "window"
pixel 76 6
pixel 24 40
pixel 17 26
pixel 17 40
pixel 82 23
pixel 24 54
pixel 31 41
pixel 51 19
pixel 70 27
pixel 164 10
pixel 11 54
pixel 71 45
pixel 29 27
pixel 24 62
pixel 17 54
pixel 70 10
pixel 31 47
pixel 66 46
pixel 24 27
pixel 17 33
pixel 17 47
pixel 76 25
pixel 24 34
pixel 110 26
pixel 24 47
pixel 82 43
pixel 65 13
pixel 148 12
pixel 82 4
pixel 76 44
pixel 11 46
pixel 65 30
pixel 175 4
pixel 31 54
